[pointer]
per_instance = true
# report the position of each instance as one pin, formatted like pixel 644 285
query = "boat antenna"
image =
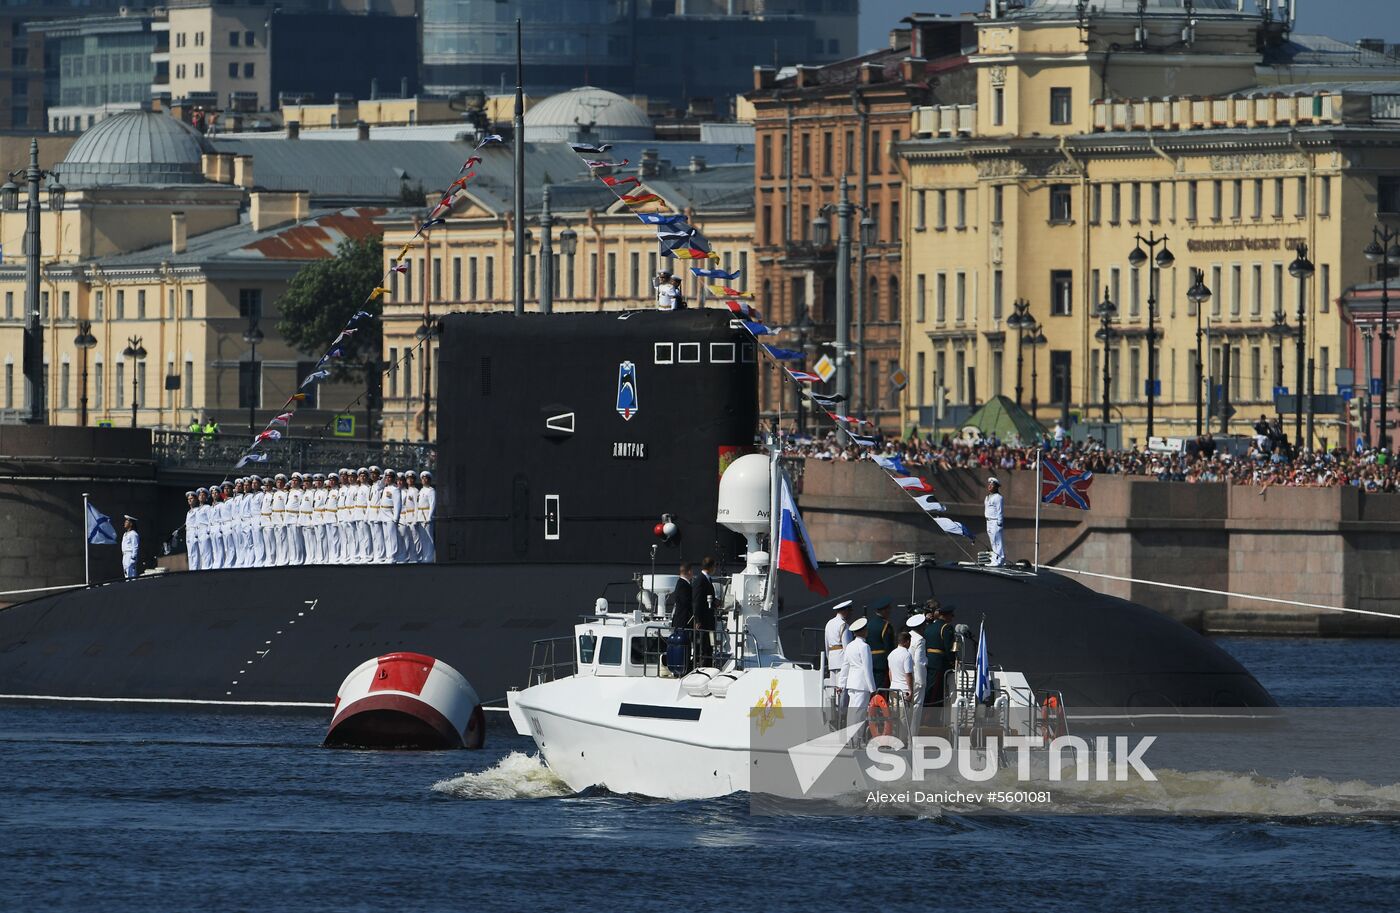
pixel 774 480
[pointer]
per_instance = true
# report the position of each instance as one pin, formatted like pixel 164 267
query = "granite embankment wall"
pixel 44 471
pixel 1337 547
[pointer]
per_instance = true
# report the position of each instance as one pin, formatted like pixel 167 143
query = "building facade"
pixel 1038 195
pixel 816 130
pixel 467 264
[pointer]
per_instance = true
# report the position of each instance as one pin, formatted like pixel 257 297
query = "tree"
pixel 322 298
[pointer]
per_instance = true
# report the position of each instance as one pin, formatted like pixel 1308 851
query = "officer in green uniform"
pixel 881 637
pixel 939 643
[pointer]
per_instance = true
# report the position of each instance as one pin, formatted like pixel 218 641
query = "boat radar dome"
pixel 744 498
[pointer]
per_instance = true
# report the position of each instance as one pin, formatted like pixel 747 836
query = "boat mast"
pixel 774 518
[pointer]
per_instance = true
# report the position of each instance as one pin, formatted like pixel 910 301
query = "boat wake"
pixel 516 776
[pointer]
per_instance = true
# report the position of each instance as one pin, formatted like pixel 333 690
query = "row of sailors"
pixel 363 516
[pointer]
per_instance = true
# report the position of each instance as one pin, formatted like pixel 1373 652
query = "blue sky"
pixel 1344 19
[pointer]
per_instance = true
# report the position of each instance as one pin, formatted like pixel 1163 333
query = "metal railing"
pixel 550 660
pixel 218 453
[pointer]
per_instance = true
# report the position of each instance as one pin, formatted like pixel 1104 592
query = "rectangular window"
pixel 894 220
pixel 99 376
pixel 1236 282
pixel 634 274
pixel 996 205
pixel 940 298
pixel 233 39
pixel 531 276
pixel 850 152
pixel 1324 196
pixel 959 375
pixel 1060 210
pixel 1061 292
pixel 998 106
pixel 1217 199
pixel 962 209
pixel 569 276
pixel 804 218
pixel 250 384
pixel 996 294
pixel 490 278
pixel 1256 301
pixel 1135 293
pixel 960 298
pixel 921 365
pixel 1302 197
pixel 827 152
pixel 1060 376
pixel 806 154
pixel 187 385
pixel 250 303
pixel 1191 201
pixel 1324 370
pixel 170 298
pixel 766 156
pixel 1388 194
pixel 941 215
pixel 996 372
pixel 593 275
pixel 1135 202
pixel 44 306
pixel 393 373
pixel 99 305
pixel 141 399
pixel 1324 288
pixel 784 158
pixel 612 275
pixel 1115 284
pixel 141 304
pixel 1258 198
pixel 1060 105
pixel 456 278
pixel 471 279
pixel 1256 373
pixel 1278 198
pixel 64 380
pixel 1156 201
pixel 64 306
pixel 874 151
pixel 233 71
pixel 1278 288
pixel 921 210
pixel 408 374
pixel 1115 205
pixel 437 279
pixel 765 236
pixel 875 218
pixel 1135 387
pixel 189 304
pixel 920 301
pixel 743 270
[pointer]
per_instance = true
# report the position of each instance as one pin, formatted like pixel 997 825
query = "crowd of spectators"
pixel 1265 460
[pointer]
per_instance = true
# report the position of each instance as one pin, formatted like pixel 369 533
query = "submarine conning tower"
pixel 564 438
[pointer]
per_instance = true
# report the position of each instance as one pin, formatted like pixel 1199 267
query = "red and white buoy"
pixel 406 700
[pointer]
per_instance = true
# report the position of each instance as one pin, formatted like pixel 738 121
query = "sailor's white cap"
pixel 425 474
pixel 281 477
pixel 189 494
pixel 843 605
pixel 296 475
pixel 913 621
pixel 389 472
pixel 858 624
pixel 411 473
pixel 994 480
pixel 129 517
pixel 344 472
pixel 362 471
pixel 316 477
pixel 374 469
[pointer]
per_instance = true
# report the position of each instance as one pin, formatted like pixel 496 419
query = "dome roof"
pixel 587 110
pixel 136 147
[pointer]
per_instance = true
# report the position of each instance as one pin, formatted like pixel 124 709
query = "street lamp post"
pixel 425 333
pixel 33 325
pixel 1037 339
pixel 1302 269
pixel 135 351
pixel 84 341
pixel 546 272
pixel 1106 312
pixel 1384 252
pixel 804 329
pixel 1199 294
pixel 821 235
pixel 1365 430
pixel 253 336
pixel 1020 321
pixel 1163 259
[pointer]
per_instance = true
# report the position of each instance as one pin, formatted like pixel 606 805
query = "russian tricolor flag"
pixel 795 546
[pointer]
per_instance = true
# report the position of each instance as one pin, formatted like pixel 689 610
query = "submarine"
pixel 563 441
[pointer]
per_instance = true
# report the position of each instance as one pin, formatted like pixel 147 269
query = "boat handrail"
pixel 546 664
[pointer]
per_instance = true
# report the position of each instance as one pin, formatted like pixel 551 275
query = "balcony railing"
pixel 217 454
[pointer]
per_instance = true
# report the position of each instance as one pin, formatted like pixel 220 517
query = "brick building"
pixel 814 127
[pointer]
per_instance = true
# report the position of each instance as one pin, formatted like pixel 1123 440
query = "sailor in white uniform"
pixel 318 519
pixel 901 665
pixel 131 547
pixel 308 519
pixel 330 529
pixel 279 522
pixel 838 634
pixel 390 504
pixel 191 531
pixel 345 497
pixel 857 680
pixel 267 526
pixel 918 651
pixel 408 550
pixel 360 516
pixel 991 510
pixel 427 506
pixel 255 533
pixel 206 531
pixel 243 542
pixel 294 537
pixel 228 526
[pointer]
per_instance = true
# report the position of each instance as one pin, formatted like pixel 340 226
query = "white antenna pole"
pixel 1036 489
pixel 87 570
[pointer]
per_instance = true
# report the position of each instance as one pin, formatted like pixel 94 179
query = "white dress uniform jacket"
pixel 427 505
pixel 131 550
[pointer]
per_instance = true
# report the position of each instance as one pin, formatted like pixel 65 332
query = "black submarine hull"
pixel 271 636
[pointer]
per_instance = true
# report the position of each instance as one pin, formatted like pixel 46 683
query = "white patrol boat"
pixel 612 707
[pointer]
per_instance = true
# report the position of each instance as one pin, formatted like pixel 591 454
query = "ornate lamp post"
pixel 1199 294
pixel 84 341
pixel 135 351
pixel 33 325
pixel 425 333
pixel 1021 321
pixel 252 335
pixel 1106 311
pixel 1384 252
pixel 821 235
pixel 1302 269
pixel 1036 340
pixel 1163 259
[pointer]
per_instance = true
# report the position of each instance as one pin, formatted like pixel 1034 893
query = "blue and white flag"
pixel 785 354
pixel 984 670
pixel 490 138
pixel 953 527
pixel 99 527
pixel 714 273
pixel 893 463
pixel 662 218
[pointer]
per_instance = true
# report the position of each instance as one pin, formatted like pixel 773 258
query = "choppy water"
pixel 158 810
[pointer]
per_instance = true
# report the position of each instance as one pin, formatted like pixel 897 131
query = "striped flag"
pixel 912 483
pixel 803 377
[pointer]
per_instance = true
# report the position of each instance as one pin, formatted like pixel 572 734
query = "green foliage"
pixel 321 299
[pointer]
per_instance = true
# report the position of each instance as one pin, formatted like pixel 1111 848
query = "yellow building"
pixel 1099 123
pixel 217 51
pixel 467 264
pixel 159 239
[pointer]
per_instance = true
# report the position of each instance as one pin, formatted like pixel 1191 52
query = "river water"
pixel 144 809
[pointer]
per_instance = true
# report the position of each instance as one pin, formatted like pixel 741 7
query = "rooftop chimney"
pixel 650 165
pixel 870 72
pixel 293 129
pixel 243 171
pixel 361 130
pixel 763 77
pixel 178 234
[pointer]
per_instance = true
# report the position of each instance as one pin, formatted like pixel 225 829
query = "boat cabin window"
pixel 587 643
pixel 647 649
pixel 611 654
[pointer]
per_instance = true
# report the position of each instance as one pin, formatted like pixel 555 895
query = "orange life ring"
pixel 881 720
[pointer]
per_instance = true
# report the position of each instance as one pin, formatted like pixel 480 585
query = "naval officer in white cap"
pixel 991 511
pixel 918 651
pixel 857 681
pixel 131 546
pixel 837 636
pixel 427 506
